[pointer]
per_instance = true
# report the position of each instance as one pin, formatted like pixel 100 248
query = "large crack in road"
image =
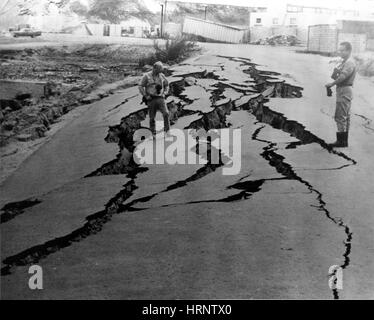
pixel 278 162
pixel 250 90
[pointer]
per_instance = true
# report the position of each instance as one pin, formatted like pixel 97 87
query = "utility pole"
pixel 206 7
pixel 165 18
pixel 162 20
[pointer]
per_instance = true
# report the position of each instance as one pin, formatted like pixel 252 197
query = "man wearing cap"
pixel 153 87
pixel 344 76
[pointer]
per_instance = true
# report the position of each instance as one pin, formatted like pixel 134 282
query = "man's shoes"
pixel 341 140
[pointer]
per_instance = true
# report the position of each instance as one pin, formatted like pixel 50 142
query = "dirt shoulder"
pixel 74 76
pixel 40 86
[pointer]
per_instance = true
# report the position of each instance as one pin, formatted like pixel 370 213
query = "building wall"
pixel 370 44
pixel 258 33
pixel 325 38
pixel 304 16
pixel 353 26
pixel 212 31
pixel 95 29
pixel 9 89
pixel 271 19
pixel 114 30
pixel 322 38
pixel 358 41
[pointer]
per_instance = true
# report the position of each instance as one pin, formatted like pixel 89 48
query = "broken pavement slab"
pixel 70 205
pixel 76 150
pixel 293 218
pixel 216 241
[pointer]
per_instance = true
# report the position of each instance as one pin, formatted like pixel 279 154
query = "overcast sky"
pixel 348 4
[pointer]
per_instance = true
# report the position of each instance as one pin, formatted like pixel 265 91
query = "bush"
pixel 365 65
pixel 175 51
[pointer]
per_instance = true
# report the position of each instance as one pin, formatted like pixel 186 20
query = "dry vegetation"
pixel 76 72
pixel 174 51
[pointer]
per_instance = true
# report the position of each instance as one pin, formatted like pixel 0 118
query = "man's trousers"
pixel 155 104
pixel 343 108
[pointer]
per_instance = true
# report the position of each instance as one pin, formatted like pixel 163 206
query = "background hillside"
pixel 55 15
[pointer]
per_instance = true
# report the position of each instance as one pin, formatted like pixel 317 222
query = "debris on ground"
pixel 279 40
pixel 40 85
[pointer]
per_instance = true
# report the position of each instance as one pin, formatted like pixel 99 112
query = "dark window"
pixel 106 31
pixel 258 20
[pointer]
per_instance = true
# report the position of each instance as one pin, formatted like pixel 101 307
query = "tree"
pixel 115 11
pixel 79 8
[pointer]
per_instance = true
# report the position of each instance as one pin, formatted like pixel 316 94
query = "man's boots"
pixel 341 140
pixel 344 139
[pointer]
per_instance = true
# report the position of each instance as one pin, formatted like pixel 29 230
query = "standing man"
pixel 343 76
pixel 153 87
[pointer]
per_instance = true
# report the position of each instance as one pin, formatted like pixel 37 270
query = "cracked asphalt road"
pixel 105 228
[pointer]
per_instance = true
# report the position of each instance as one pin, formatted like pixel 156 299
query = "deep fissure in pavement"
pixel 215 119
pixel 13 209
pixel 96 221
pixel 285 169
pixel 367 122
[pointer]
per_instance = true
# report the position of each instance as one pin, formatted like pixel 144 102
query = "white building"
pixel 283 18
pixel 132 27
pixel 303 16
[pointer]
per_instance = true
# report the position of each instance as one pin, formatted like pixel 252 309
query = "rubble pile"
pixel 279 40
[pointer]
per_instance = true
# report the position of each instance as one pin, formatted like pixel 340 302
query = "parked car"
pixel 26 32
pixel 18 27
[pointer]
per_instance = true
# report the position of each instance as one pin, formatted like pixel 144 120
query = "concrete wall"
pixel 358 27
pixel 81 30
pixel 304 19
pixel 96 29
pixel 213 31
pixel 289 18
pixel 302 35
pixel 370 44
pixel 9 89
pixel 322 38
pixel 358 41
pixel 69 38
pixel 325 38
pixel 258 33
pixel 362 28
pixel 115 30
